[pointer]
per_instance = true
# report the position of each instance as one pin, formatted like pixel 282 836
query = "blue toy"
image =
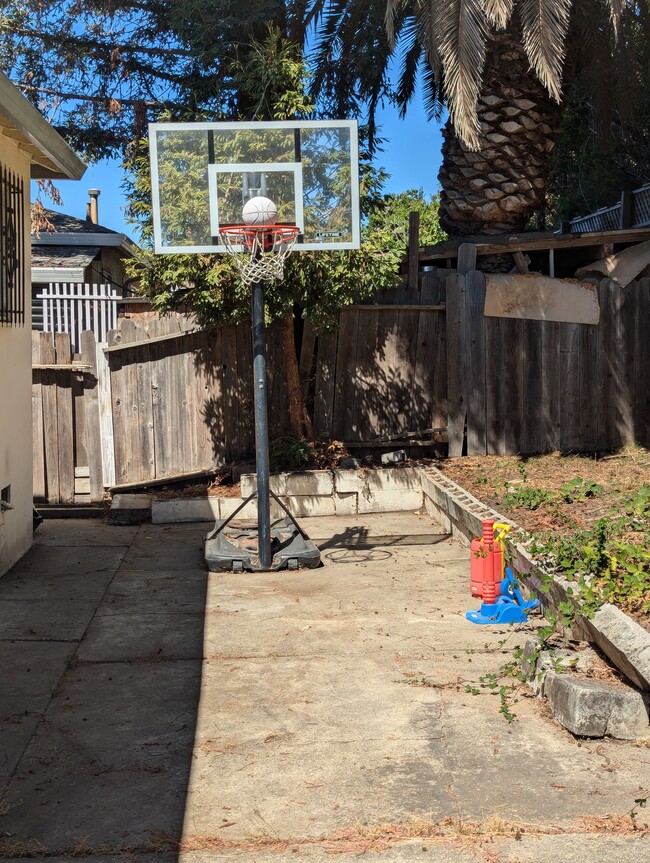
pixel 510 606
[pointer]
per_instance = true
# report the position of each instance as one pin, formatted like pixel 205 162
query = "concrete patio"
pixel 151 711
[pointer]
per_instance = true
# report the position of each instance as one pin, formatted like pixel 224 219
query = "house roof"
pixel 68 231
pixel 64 256
pixel 61 263
pixel 50 156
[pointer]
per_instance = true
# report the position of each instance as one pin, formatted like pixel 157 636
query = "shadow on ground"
pixel 100 670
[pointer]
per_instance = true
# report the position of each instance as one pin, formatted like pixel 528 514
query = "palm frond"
pixel 499 12
pixel 409 64
pixel 426 25
pixel 545 24
pixel 461 34
pixel 616 10
pixel 391 11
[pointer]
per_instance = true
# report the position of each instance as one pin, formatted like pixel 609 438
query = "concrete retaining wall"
pixel 309 493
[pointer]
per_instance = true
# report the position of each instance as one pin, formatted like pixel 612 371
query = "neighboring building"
pixel 77 257
pixel 29 148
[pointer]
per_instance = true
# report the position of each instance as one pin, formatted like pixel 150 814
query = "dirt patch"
pixel 589 516
pixel 490 479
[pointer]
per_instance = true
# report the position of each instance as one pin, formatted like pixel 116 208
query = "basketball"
pixel 260 211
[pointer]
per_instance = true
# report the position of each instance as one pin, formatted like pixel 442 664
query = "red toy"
pixel 487 564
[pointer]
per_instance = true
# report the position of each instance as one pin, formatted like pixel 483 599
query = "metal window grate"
pixel 12 249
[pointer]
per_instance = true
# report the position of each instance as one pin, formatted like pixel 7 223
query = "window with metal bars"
pixel 12 249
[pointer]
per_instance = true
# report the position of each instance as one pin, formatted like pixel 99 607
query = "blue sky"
pixel 411 156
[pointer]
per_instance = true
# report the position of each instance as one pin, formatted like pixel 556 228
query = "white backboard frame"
pixel 215 169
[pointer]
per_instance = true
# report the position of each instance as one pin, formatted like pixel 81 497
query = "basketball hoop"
pixel 259 251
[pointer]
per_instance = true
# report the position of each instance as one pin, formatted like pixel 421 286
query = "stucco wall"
pixel 15 401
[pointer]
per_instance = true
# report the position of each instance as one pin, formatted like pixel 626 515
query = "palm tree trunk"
pixel 498 188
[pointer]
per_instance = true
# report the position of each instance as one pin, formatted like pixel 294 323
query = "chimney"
pixel 92 214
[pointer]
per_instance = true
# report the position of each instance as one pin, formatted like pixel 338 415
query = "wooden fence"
pixel 163 398
pixel 526 386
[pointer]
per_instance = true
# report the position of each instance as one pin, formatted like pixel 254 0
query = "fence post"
pixel 105 416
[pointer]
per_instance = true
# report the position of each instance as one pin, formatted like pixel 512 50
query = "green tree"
pixel 101 71
pixel 499 66
pixel 318 285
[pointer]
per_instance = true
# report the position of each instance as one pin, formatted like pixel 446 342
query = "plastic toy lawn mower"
pixel 502 599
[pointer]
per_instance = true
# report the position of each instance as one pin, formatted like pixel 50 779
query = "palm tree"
pixel 499 66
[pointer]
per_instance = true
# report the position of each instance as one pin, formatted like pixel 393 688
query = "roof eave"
pixel 57 160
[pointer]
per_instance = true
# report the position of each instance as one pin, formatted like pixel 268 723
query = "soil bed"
pixel 587 514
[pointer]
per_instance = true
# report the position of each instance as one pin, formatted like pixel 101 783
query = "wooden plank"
pixel 92 424
pixel 230 392
pixel 533 427
pixel 210 406
pixel 570 388
pixel 629 361
pixel 327 348
pixel 410 411
pixel 540 298
pixel 528 242
pixel 50 421
pixel 474 363
pixel 105 411
pixel 168 337
pixel 346 377
pixel 412 307
pixel 63 367
pixel 38 436
pixel 64 410
pixel 455 332
pixel 591 403
pixel 119 390
pixel 434 287
pixel 306 363
pixel 616 389
pixel 368 378
pixel 494 386
pixel 641 348
pixel 424 360
pixel 130 442
pixel 551 385
pixel 466 258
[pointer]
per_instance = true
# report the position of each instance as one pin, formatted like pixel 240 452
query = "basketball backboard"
pixel 202 174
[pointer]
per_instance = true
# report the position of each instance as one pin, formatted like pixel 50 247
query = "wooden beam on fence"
pixel 307 357
pixel 474 363
pixel 92 424
pixel 65 417
pixel 63 367
pixel 141 342
pixel 466 258
pixel 51 435
pixel 105 417
pixel 457 408
pixel 395 307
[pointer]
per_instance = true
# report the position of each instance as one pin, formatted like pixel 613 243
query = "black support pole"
pixel 261 427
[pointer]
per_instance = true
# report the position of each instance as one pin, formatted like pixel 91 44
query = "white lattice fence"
pixel 73 308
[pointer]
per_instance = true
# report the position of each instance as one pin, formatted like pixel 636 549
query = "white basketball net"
pixel 259 252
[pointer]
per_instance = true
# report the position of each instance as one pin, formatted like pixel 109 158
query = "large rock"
pixel 592 709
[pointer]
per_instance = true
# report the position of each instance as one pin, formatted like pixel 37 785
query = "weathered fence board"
pixel 164 398
pixel 91 417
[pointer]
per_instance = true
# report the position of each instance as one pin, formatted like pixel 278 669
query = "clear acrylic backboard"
pixel 202 174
